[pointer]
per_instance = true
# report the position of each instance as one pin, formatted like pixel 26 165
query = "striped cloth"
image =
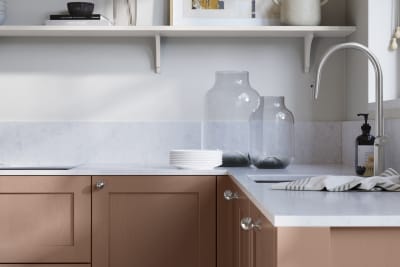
pixel 389 180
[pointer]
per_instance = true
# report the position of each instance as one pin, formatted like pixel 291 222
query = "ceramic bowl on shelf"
pixel 80 9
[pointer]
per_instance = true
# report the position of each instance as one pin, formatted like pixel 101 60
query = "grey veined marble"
pixel 77 143
pixel 143 143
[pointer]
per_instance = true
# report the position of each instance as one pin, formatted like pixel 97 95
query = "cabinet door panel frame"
pixel 203 187
pixel 68 192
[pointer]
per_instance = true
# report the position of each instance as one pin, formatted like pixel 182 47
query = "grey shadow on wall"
pixel 76 55
pixel 79 60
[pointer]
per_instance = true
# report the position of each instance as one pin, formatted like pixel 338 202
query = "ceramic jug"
pixel 300 12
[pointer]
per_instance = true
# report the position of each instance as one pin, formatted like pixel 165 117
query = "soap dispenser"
pixel 365 149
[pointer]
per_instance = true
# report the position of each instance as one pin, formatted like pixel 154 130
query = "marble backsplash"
pixel 139 143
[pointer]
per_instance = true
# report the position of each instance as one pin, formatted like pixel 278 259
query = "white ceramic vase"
pixel 300 12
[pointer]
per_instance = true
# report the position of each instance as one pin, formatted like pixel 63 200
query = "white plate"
pixel 195 155
pixel 193 164
pixel 197 161
pixel 191 167
pixel 195 158
pixel 172 154
pixel 194 151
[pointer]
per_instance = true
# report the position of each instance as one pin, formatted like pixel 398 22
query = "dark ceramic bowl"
pixel 80 9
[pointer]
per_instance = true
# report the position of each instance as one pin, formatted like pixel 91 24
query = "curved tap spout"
pixel 378 147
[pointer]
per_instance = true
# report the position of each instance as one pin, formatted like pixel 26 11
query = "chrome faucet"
pixel 379 139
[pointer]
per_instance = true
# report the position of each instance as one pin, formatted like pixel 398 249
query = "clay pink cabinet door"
pixel 44 265
pixel 45 219
pixel 233 247
pixel 154 221
pixel 263 240
pixel 242 249
pixel 226 196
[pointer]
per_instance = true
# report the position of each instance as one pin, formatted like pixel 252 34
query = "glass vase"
pixel 228 106
pixel 272 134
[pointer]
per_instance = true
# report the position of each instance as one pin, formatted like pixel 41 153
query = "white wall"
pixel 356 93
pixel 89 79
pixel 374 21
pixel 382 17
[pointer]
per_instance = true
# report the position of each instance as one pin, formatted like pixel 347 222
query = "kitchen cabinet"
pixel 232 242
pixel 246 238
pixel 241 241
pixel 262 241
pixel 44 265
pixel 179 221
pixel 45 219
pixel 226 195
pixel 285 247
pixel 155 221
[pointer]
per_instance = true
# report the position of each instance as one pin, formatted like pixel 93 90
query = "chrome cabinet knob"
pixel 248 224
pixel 229 195
pixel 100 185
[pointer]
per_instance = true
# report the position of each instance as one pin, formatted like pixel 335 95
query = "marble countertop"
pixel 282 208
pixel 320 208
pixel 111 169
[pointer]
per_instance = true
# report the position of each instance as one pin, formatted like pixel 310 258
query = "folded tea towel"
pixel 387 181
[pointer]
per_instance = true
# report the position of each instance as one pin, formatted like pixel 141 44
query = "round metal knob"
pixel 100 185
pixel 247 224
pixel 229 195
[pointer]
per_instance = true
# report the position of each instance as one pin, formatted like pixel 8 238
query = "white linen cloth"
pixel 387 181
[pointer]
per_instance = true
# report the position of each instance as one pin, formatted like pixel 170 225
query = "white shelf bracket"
pixel 157 53
pixel 308 39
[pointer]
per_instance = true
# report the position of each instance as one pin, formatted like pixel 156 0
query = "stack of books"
pixel 68 20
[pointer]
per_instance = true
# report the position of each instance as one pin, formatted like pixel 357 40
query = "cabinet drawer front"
pixel 149 221
pixel 45 219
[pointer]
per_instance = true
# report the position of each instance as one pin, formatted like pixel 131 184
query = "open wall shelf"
pixel 308 33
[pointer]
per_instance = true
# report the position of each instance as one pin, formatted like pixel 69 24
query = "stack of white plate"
pixel 3 11
pixel 195 159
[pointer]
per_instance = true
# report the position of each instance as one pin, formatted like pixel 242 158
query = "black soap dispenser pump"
pixel 364 161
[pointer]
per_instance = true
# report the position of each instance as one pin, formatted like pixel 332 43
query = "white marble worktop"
pixel 111 169
pixel 320 208
pixel 282 208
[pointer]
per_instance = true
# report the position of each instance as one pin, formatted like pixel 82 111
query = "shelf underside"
pixel 175 31
pixel 158 32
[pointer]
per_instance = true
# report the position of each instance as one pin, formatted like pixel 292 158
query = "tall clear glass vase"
pixel 272 134
pixel 228 106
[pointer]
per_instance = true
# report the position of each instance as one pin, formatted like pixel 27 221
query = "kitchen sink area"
pixel 276 178
pixel 34 168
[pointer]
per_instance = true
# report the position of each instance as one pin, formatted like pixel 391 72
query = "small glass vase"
pixel 228 106
pixel 272 134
